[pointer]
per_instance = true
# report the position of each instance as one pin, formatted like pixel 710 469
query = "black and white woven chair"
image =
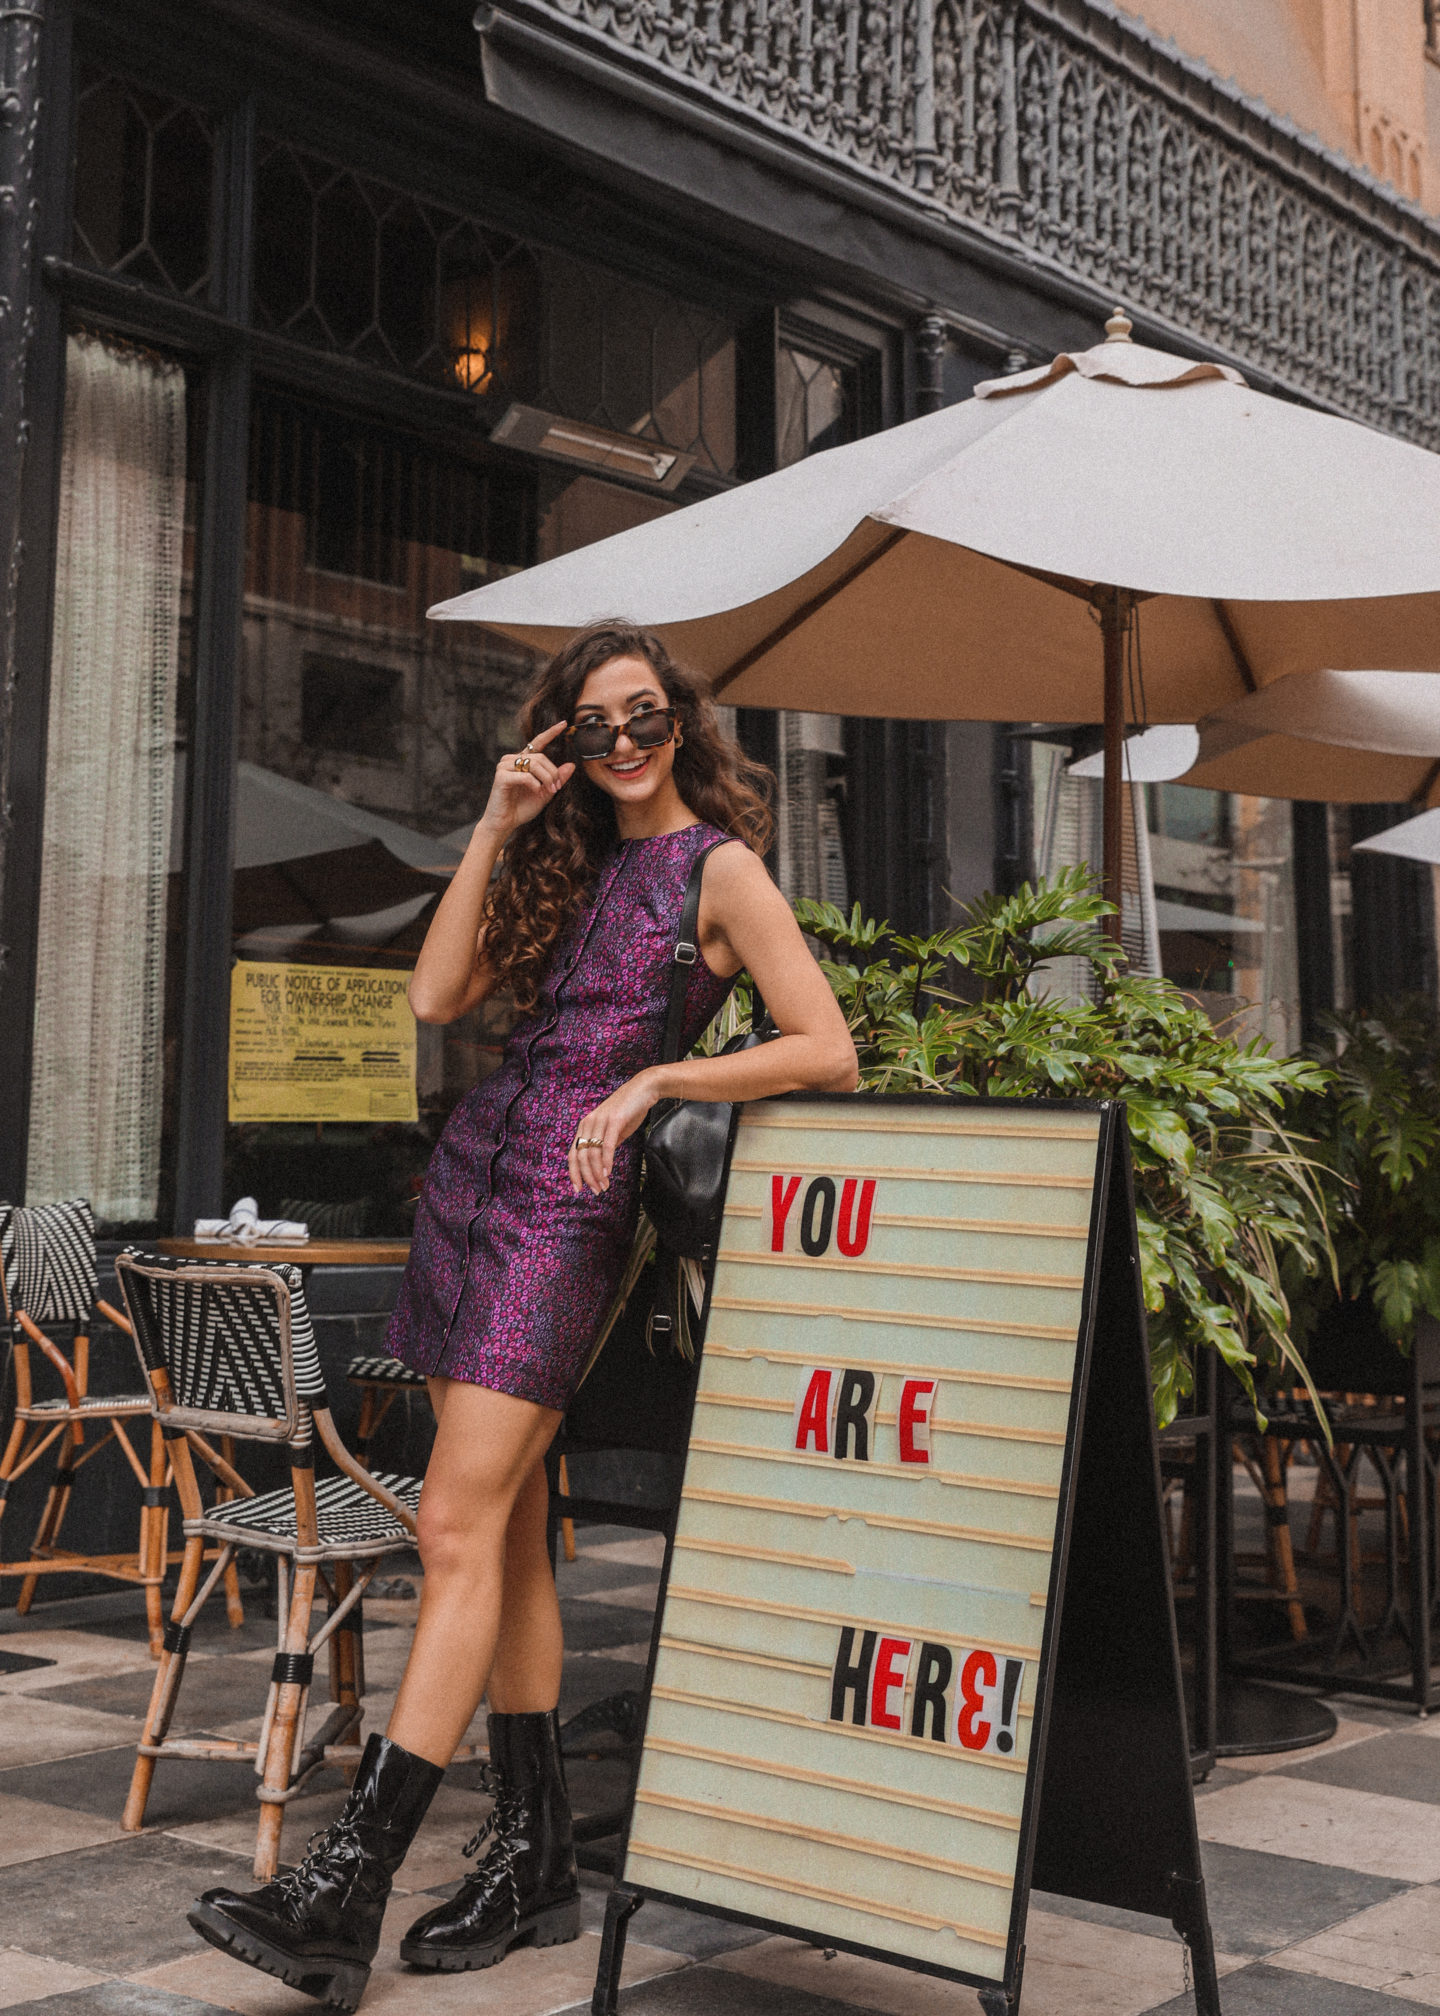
pixel 230 1350
pixel 49 1285
pixel 381 1380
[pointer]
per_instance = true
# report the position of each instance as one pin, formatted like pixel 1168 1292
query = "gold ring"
pixel 589 1140
pixel 522 762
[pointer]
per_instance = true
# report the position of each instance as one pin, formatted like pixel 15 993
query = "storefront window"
pixel 817 406
pixel 108 969
pixel 367 735
pixel 142 185
pixel 1223 870
pixel 355 266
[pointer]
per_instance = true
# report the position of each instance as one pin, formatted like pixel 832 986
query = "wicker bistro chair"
pixel 380 1380
pixel 48 1277
pixel 230 1349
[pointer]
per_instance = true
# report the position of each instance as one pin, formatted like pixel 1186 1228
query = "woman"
pixel 523 1232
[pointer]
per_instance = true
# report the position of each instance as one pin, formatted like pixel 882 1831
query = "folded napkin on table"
pixel 245 1227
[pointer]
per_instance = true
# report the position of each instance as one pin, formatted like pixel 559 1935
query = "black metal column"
pixel 1315 931
pixel 21 27
pixel 35 171
pixel 219 609
pixel 1393 915
pixel 931 337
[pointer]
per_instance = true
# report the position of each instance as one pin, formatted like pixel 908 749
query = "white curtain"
pixel 109 774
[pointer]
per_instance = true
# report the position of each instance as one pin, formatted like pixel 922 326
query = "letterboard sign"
pixel 854 1648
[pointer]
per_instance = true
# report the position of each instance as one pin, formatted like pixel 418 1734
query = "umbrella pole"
pixel 1114 605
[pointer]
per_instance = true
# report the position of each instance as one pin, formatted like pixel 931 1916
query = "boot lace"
pixel 503 1828
pixel 332 1853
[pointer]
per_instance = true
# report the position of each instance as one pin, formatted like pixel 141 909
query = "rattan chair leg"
pixel 289 1696
pixel 234 1607
pixel 567 1526
pixel 47 1533
pixel 166 1688
pixel 344 1646
pixel 11 1457
pixel 1279 1543
pixel 155 1541
pixel 372 1412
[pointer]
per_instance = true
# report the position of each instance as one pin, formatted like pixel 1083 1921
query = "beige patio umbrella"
pixel 1348 738
pixel 970 564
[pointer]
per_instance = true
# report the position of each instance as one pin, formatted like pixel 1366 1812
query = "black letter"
pixel 932 1677
pixel 814 1239
pixel 852 1679
pixel 857 1396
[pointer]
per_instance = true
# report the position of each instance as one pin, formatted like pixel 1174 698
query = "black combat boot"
pixel 318 1927
pixel 527 1887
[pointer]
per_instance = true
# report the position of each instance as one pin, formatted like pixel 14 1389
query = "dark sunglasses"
pixel 592 741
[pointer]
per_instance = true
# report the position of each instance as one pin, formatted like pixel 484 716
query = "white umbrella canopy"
pixel 1152 756
pixel 1414 840
pixel 952 568
pixel 1348 738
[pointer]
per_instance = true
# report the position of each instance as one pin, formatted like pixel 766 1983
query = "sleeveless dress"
pixel 511 1274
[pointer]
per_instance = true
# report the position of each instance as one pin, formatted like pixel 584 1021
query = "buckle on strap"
pixel 685 953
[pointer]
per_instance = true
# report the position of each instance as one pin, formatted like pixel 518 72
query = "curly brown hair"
pixel 550 864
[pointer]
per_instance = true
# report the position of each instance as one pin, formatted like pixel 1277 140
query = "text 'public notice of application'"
pixel 320 1043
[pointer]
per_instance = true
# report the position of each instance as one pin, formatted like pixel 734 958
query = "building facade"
pixel 315 314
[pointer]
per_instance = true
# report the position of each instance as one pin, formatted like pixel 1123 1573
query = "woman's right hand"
pixel 519 795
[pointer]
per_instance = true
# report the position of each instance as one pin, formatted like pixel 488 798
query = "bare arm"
pixel 451 974
pixel 744 921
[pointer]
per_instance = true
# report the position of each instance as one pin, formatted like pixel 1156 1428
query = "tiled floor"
pixel 1323 1868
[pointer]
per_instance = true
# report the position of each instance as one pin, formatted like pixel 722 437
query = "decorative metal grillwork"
pixel 359 267
pixel 1060 127
pixel 142 184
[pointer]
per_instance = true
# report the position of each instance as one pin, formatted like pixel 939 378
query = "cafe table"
pixel 301 1253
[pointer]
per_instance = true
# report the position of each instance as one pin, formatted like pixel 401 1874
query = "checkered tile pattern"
pixel 219 1339
pixel 1322 1866
pixel 47 1261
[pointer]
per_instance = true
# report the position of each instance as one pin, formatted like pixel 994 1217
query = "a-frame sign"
pixel 915 1648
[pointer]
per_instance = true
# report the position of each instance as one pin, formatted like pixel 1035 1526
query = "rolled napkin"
pixel 245 1227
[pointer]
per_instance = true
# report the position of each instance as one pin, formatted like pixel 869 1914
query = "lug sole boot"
pixel 527 1890
pixel 317 1928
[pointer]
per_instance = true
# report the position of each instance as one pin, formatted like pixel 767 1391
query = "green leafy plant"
pixel 1227 1200
pixel 1377 1139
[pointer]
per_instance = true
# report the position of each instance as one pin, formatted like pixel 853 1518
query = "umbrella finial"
pixel 1117 329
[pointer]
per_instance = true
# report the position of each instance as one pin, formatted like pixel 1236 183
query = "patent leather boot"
pixel 317 1928
pixel 527 1888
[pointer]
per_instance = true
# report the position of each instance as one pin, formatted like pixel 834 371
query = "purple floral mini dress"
pixel 511 1274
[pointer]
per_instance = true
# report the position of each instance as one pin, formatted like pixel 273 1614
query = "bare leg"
pixel 487 1447
pixel 525 1676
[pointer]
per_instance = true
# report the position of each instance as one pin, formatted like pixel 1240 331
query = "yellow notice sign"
pixel 320 1043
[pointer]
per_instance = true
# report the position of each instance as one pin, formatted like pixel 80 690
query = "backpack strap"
pixel 687 951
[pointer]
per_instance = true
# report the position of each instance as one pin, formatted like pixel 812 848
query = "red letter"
pixel 854 1233
pixel 917 1397
pixel 977 1672
pixel 886 1680
pixel 782 1196
pixel 812 1416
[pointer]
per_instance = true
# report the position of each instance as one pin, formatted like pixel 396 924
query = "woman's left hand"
pixel 592 1152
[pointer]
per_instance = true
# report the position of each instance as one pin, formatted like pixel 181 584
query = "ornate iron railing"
pixel 1064 128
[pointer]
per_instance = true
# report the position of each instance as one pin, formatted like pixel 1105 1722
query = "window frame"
pixel 216 337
